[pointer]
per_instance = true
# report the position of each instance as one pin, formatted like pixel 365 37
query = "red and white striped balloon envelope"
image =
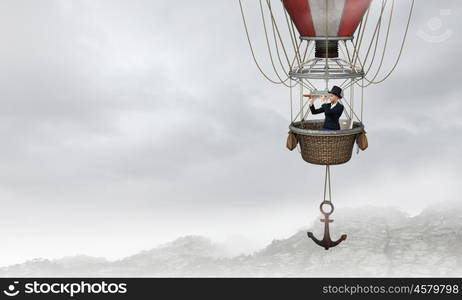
pixel 326 18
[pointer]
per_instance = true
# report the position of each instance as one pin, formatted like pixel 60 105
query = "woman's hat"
pixel 336 91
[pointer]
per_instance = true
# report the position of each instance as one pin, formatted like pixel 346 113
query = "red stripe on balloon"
pixel 299 11
pixel 353 11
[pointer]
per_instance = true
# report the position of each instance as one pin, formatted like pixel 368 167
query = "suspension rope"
pixel 293 60
pixel 352 97
pixel 370 82
pixel 327 46
pixel 347 114
pixel 304 105
pixel 353 82
pixel 297 53
pixel 385 45
pixel 352 110
pixel 293 36
pixel 360 29
pixel 306 50
pixel 362 103
pixel 279 33
pixel 268 45
pixel 346 56
pixel 279 55
pixel 360 39
pixel 253 52
pixel 400 51
pixel 274 25
pixel 251 47
pixel 301 103
pixel 375 49
pixel 376 44
pixel 283 48
pixel 356 48
pixel 311 87
pixel 291 101
pixel 379 22
pixel 276 45
pixel 306 114
pixel 290 26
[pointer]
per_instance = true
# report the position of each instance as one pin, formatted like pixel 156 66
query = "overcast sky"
pixel 126 124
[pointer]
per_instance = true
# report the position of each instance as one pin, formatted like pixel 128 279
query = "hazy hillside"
pixel 381 242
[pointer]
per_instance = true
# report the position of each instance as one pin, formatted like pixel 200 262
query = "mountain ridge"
pixel 382 241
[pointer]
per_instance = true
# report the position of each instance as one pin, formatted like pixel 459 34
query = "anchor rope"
pixel 327 186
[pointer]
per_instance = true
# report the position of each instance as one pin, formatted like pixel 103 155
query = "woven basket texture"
pixel 325 150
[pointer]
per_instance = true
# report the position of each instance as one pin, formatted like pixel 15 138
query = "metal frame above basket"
pixel 337 68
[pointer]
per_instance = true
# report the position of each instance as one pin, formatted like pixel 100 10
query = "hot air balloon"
pixel 326 42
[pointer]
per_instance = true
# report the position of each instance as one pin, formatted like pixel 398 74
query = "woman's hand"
pixel 323 99
pixel 311 101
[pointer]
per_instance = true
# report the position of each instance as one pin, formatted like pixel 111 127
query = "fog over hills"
pixel 382 241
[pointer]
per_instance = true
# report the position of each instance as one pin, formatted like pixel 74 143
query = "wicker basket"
pixel 325 147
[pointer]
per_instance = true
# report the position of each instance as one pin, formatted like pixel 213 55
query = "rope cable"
pixel 273 23
pixel 291 101
pixel 251 47
pixel 385 45
pixel 401 49
pixel 356 48
pixel 375 49
pixel 327 46
pixel 370 82
pixel 327 186
pixel 362 102
pixel 291 33
pixel 279 34
pixel 269 47
pixel 379 21
pixel 360 39
pixel 352 110
pixel 278 53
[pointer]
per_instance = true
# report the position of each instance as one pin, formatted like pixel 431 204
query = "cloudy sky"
pixel 126 124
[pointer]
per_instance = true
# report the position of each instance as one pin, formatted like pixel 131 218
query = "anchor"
pixel 326 241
